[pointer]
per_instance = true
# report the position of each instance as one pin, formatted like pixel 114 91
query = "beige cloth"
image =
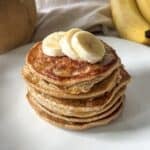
pixel 54 15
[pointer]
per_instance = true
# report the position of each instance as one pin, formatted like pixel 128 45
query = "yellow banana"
pixel 144 6
pixel 129 22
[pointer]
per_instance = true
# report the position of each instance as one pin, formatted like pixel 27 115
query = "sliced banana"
pixel 87 46
pixel 65 44
pixel 76 44
pixel 50 44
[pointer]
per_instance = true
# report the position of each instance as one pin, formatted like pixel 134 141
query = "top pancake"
pixel 64 71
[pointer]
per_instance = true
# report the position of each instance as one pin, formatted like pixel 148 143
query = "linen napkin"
pixel 90 15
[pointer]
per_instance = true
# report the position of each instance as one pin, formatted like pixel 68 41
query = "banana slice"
pixel 65 44
pixel 87 46
pixel 50 44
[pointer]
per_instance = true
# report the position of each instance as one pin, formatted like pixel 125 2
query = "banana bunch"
pixel 132 19
pixel 76 44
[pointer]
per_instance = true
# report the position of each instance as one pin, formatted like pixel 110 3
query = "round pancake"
pixel 50 89
pixel 76 119
pixel 74 126
pixel 86 104
pixel 64 71
pixel 78 111
pixel 72 91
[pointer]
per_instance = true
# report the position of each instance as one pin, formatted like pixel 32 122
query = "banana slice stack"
pixel 76 44
pixel 132 19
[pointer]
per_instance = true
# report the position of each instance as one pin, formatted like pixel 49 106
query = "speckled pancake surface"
pixel 64 71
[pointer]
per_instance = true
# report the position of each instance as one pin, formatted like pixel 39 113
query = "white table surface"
pixel 22 129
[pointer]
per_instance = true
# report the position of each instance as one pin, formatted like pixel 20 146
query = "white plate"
pixel 22 129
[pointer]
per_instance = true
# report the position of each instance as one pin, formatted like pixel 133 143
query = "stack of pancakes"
pixel 75 94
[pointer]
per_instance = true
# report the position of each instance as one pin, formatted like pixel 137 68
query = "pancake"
pixel 75 94
pixel 102 115
pixel 91 102
pixel 81 108
pixel 78 111
pixel 72 91
pixel 70 125
pixel 65 72
pixel 48 88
